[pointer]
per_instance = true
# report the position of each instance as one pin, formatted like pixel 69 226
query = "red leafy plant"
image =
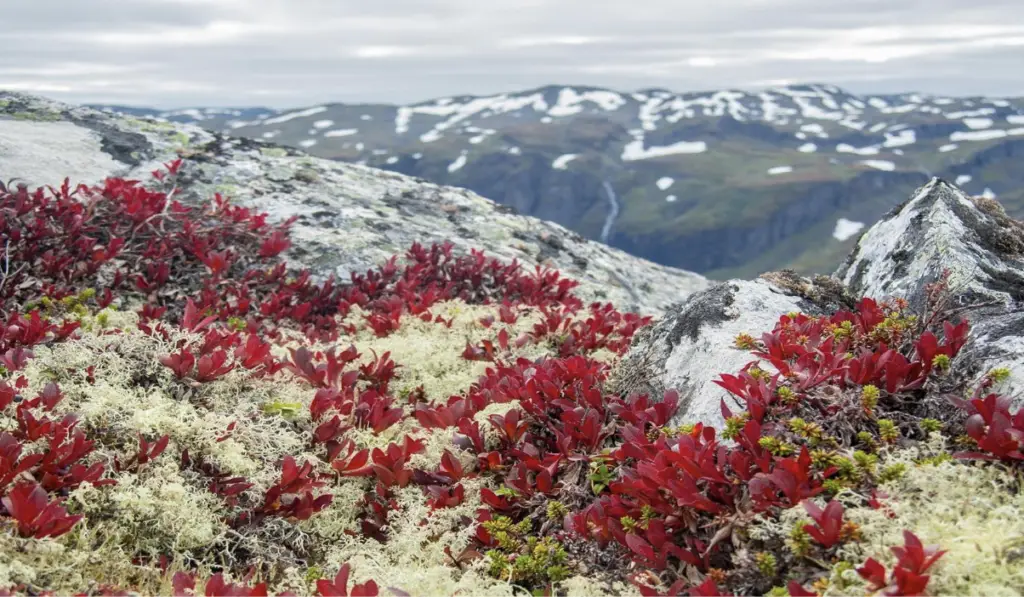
pixel 338 587
pixel 908 576
pixel 35 514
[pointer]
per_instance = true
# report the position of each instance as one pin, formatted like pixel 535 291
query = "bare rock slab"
pixel 693 343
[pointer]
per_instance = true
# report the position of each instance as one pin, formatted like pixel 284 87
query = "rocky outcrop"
pixel 349 217
pixel 942 229
pixel 690 345
pixel 939 229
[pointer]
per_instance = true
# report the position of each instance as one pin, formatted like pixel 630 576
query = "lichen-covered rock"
pixel 350 217
pixel 687 348
pixel 942 229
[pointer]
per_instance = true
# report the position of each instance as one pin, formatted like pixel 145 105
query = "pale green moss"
pixel 975 512
pixel 413 559
pixel 37 116
pixel 430 354
pixel 154 512
pixel 582 586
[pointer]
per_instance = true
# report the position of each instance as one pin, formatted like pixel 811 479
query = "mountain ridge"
pixel 726 183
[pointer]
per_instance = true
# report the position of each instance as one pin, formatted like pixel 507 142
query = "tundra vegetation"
pixel 183 413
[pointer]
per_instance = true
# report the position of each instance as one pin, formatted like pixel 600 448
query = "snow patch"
pixel 977 135
pixel 963 179
pixel 571 102
pixel 978 123
pixel 846 229
pixel 458 163
pixel 293 115
pixel 880 164
pixel 341 132
pixel 779 170
pixel 988 193
pixel 847 148
pixel 816 129
pixel 392 160
pixel 904 137
pixel 515 150
pixel 948 147
pixel 807 148
pixel 431 136
pixel 665 182
pixel 455 112
pixel 970 113
pixel 671 198
pixel 306 143
pixel 1015 119
pixel 562 161
pixel 322 124
pixel 635 149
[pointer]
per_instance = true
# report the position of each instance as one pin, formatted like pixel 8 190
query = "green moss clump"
pixel 526 560
pixel 869 397
pixel 734 425
pixel 799 541
pixel 766 563
pixel 887 431
pixel 542 562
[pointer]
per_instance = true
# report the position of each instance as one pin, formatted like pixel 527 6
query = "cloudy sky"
pixel 281 53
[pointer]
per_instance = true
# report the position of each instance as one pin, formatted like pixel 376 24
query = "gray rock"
pixel 350 217
pixel 693 343
pixel 941 228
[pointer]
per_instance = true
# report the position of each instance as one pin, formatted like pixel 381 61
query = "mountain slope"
pixel 724 183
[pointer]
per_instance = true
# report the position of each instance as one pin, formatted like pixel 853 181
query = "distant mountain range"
pixel 725 183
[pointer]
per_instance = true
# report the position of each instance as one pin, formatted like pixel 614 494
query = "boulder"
pixel 349 217
pixel 939 229
pixel 942 229
pixel 693 342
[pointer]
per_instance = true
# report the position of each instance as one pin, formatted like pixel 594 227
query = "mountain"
pixel 726 183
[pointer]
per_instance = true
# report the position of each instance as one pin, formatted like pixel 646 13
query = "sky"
pixel 287 53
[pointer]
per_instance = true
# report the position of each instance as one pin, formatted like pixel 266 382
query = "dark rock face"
pixel 710 249
pixel 123 146
pixel 530 186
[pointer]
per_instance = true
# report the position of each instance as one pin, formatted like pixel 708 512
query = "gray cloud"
pixel 292 52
